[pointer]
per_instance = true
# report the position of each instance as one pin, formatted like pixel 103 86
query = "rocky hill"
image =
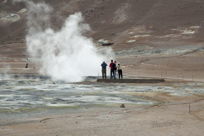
pixel 110 18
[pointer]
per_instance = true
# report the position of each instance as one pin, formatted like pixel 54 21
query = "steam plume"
pixel 65 54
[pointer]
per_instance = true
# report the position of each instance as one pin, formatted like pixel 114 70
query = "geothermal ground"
pixel 150 38
pixel 35 107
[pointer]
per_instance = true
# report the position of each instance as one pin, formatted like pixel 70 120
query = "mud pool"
pixel 20 95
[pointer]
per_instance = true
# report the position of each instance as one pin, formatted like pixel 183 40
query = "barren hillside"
pixel 154 27
pixel 109 18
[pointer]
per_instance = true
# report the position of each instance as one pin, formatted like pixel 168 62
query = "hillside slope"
pixel 109 17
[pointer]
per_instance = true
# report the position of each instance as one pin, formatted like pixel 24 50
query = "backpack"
pixel 114 66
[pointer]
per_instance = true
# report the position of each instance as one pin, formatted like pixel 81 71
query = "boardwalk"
pixel 150 80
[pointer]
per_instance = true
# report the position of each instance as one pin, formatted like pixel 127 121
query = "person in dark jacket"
pixel 112 69
pixel 26 66
pixel 103 66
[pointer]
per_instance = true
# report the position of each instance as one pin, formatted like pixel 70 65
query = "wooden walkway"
pixel 150 80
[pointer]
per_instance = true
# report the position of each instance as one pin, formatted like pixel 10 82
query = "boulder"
pixel 105 42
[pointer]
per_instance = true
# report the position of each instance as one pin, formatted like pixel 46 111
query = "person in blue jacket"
pixel 103 66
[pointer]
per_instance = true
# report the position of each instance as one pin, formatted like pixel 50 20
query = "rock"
pixel 122 106
pixel 22 11
pixel 105 42
pixel 142 36
pixel 131 41
pixel 10 18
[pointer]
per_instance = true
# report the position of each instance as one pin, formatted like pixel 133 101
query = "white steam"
pixel 65 54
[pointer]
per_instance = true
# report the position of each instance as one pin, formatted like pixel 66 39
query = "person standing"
pixel 112 67
pixel 115 69
pixel 120 72
pixel 26 66
pixel 103 66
